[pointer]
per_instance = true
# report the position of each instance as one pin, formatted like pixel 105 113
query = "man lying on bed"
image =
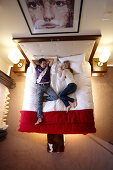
pixel 43 85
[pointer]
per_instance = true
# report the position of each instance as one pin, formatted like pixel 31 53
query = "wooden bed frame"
pixel 57 141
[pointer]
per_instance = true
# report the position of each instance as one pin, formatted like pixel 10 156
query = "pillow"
pixel 75 61
pixel 86 67
pixel 37 57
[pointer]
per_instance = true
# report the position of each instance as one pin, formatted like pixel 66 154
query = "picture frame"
pixel 47 17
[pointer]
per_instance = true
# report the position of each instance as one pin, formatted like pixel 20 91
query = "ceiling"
pixel 96 18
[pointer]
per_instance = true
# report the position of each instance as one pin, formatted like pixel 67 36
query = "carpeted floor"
pixel 102 88
pixel 20 151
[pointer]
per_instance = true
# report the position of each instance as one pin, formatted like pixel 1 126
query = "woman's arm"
pixel 61 75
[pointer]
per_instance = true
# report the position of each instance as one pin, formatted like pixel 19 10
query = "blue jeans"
pixel 71 88
pixel 41 89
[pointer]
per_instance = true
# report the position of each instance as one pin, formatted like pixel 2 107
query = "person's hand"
pixel 51 62
pixel 59 68
pixel 62 67
pixel 34 62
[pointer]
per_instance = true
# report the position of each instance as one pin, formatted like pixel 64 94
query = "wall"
pixel 4 66
pixel 103 105
pixel 92 22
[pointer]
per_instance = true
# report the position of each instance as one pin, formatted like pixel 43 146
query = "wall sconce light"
pixel 13 56
pixel 104 57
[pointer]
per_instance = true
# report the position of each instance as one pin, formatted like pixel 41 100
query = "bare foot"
pixel 38 121
pixel 75 103
pixel 68 108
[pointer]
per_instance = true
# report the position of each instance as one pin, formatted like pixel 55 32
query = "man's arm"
pixel 34 63
pixel 51 62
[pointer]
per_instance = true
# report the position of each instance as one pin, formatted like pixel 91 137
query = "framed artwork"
pixel 52 16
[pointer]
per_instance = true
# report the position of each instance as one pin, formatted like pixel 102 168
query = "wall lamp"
pixel 104 57
pixel 13 56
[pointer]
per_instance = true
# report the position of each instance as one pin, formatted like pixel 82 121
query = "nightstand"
pixel 21 67
pixel 98 70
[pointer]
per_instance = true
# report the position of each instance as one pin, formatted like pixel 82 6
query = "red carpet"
pixel 59 122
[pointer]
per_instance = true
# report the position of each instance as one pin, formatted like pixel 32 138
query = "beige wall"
pixel 92 22
pixel 5 63
pixel 4 66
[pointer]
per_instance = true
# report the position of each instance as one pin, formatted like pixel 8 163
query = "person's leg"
pixel 64 98
pixel 51 94
pixel 71 88
pixel 40 94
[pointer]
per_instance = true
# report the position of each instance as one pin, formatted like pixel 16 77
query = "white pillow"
pixel 37 57
pixel 86 67
pixel 75 61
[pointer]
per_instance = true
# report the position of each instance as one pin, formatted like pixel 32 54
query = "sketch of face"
pixel 47 14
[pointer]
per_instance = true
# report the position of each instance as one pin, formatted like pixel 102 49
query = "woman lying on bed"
pixel 66 74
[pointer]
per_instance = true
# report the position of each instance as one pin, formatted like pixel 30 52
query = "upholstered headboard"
pixel 58 46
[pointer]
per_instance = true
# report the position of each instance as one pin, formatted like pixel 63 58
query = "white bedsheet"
pixel 83 92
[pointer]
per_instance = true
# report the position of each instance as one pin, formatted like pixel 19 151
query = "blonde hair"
pixel 67 65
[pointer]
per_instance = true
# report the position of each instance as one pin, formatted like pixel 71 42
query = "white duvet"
pixel 83 92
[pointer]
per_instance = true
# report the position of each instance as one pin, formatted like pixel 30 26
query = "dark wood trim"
pixel 99 71
pixel 3 134
pixel 57 38
pixel 22 52
pixel 56 142
pixel 7 80
pixel 94 48
pixel 93 51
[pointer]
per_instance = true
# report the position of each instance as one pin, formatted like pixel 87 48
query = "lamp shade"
pixel 104 56
pixel 13 57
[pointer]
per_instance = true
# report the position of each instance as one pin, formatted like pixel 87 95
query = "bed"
pixel 79 120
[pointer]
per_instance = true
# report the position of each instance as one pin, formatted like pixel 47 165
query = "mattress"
pixel 56 120
pixel 83 92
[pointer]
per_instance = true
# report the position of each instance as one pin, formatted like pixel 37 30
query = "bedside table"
pixel 20 67
pixel 98 70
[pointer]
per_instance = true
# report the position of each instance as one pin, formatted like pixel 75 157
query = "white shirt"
pixel 66 76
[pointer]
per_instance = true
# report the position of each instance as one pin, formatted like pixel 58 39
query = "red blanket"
pixel 59 122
